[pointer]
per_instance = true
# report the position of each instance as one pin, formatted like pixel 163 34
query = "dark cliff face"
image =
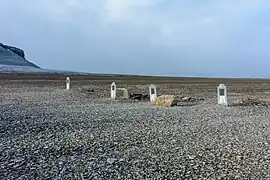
pixel 10 55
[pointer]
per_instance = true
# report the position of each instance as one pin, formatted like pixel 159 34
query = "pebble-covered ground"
pixel 52 133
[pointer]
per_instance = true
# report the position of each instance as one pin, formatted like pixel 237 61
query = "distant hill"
pixel 12 59
pixel 14 56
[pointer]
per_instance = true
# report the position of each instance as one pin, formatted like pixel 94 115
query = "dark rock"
pixel 139 96
pixel 88 91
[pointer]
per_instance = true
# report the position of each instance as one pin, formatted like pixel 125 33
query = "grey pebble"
pixel 111 160
pixel 50 133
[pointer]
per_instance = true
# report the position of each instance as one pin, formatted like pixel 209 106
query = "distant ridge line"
pixel 121 76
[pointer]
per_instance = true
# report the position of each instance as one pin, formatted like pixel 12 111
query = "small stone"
pixel 111 160
pixel 191 157
pixel 186 98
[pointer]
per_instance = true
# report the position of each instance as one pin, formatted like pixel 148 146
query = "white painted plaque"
pixel 153 92
pixel 222 94
pixel 113 90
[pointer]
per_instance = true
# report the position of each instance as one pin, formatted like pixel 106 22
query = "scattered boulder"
pixel 165 101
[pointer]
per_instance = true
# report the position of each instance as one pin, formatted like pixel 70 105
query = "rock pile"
pixel 191 99
pixel 139 97
pixel 171 100
pixel 251 102
pixel 88 91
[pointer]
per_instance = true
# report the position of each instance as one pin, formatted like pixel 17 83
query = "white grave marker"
pixel 153 92
pixel 113 90
pixel 222 94
pixel 68 83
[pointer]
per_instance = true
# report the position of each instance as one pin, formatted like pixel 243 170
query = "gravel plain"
pixel 52 133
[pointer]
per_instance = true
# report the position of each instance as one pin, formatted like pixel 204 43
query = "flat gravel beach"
pixel 47 132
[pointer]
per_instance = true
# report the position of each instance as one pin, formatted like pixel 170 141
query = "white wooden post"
pixel 68 83
pixel 113 90
pixel 153 92
pixel 222 95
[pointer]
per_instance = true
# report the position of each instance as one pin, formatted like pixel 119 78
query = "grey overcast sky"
pixel 229 38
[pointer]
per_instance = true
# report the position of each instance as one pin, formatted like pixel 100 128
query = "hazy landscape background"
pixel 152 37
